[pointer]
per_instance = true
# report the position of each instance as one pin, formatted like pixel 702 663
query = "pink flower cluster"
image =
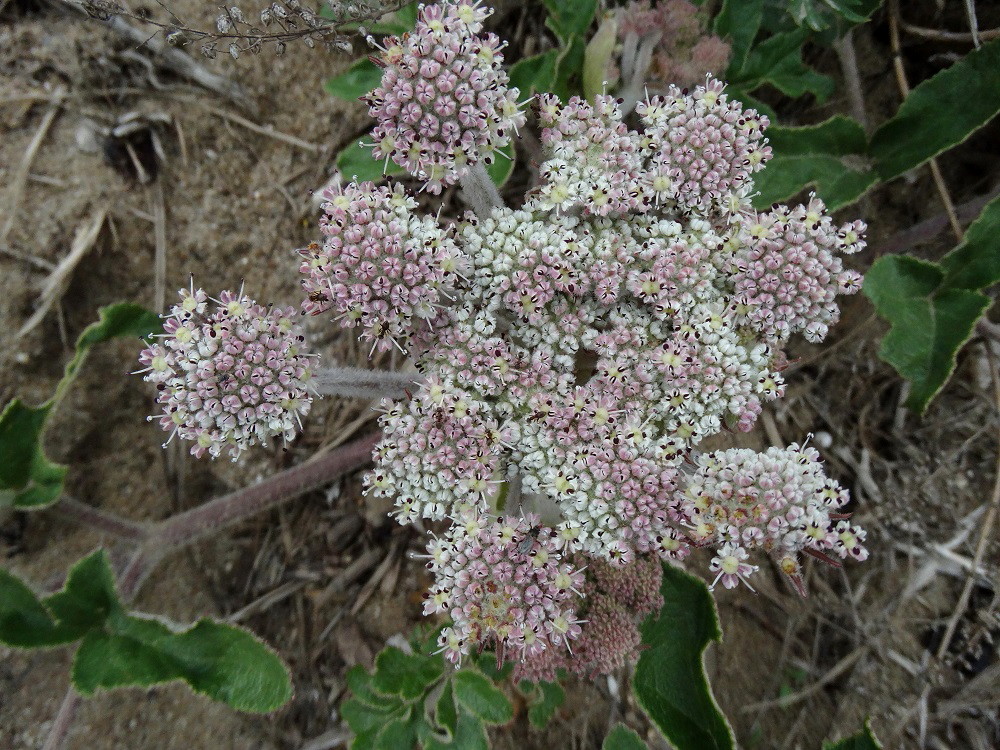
pixel 596 161
pixel 684 53
pixel 380 266
pixel 704 148
pixel 615 601
pixel 504 582
pixel 443 104
pixel 231 377
pixel 779 501
pixel 785 273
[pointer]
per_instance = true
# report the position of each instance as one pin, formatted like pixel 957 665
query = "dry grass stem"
pixel 86 236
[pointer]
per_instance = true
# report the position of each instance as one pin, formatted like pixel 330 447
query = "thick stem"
pixel 205 520
pixel 63 721
pixel 637 81
pixel 844 46
pixel 479 191
pixel 354 382
pixel 74 510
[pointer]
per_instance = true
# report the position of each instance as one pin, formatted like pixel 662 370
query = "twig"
pixel 19 178
pixel 986 529
pixel 948 36
pixel 904 90
pixel 928 229
pixel 970 12
pixel 63 721
pixel 264 129
pixel 171 58
pixel 72 509
pixel 787 700
pixel 86 236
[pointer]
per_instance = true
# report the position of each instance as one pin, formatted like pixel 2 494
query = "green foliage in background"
pixel 670 681
pixel 118 649
pixel 933 308
pixel 414 698
pixel 28 479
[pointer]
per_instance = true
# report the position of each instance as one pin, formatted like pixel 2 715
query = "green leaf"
pixel 863 740
pixel 837 184
pixel 940 113
pixel 975 264
pixel 470 734
pixel 445 712
pixel 670 681
pixel 479 695
pixel 487 664
pixel 535 74
pixel 739 21
pixel 406 675
pixel 597 57
pixel 24 621
pixel 545 700
pixel 929 322
pixel 398 734
pixel 88 598
pixel 570 19
pixel 778 61
pixel 224 662
pixel 356 162
pixel 28 479
pixel 828 157
pixel 738 94
pixel 569 70
pixel 356 81
pixel 503 165
pixel 623 738
pixel 364 718
pixel 120 320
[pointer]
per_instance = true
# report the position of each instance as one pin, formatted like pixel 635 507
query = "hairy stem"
pixel 111 523
pixel 637 81
pixel 479 191
pixel 359 383
pixel 190 526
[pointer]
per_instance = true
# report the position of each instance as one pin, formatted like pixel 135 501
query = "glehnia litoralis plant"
pixel 569 354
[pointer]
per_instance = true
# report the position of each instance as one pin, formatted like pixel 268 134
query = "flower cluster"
pixel 587 343
pixel 503 582
pixel 596 161
pixel 443 104
pixel 615 601
pixel 574 352
pixel 785 273
pixel 704 146
pixel 438 454
pixel 683 52
pixel 779 501
pixel 231 377
pixel 380 266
